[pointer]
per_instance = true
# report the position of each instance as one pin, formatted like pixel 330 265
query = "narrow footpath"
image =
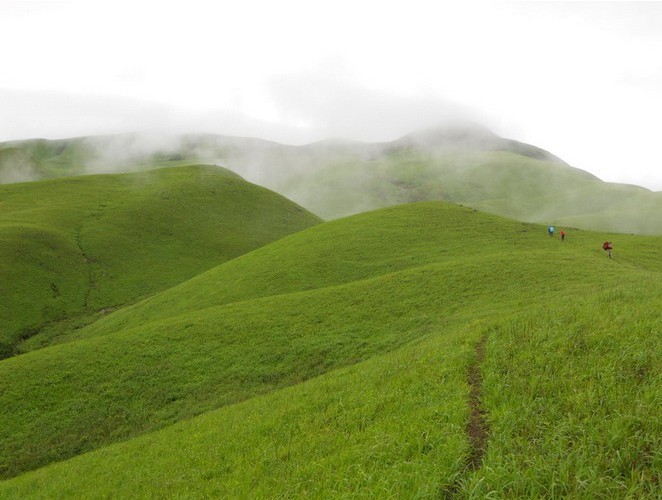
pixel 476 429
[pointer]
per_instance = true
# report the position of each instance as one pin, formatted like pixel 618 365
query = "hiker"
pixel 550 230
pixel 607 246
pixel 562 234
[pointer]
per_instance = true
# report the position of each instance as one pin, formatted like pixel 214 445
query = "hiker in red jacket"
pixel 607 246
pixel 562 234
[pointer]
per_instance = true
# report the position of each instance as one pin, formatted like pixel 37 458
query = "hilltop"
pixel 76 248
pixel 334 361
pixel 466 164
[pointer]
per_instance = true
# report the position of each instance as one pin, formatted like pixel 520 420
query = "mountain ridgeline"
pixel 467 165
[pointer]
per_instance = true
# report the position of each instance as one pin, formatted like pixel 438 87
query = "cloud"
pixel 330 107
pixel 50 114
pixel 579 79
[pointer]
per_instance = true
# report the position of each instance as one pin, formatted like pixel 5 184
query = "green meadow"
pixel 335 359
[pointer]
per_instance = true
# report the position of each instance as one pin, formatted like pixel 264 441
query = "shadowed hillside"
pixel 78 247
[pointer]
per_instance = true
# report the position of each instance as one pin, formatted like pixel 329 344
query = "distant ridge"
pixel 471 137
pixel 463 163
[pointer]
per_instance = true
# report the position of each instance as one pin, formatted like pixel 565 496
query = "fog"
pixel 581 80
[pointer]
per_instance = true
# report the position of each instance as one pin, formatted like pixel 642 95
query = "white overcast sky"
pixel 580 79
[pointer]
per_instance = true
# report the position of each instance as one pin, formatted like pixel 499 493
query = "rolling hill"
pixel 73 249
pixel 464 164
pixel 338 361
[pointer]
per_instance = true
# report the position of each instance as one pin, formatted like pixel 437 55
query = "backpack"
pixel 606 245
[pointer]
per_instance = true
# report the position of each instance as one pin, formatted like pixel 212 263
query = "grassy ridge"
pixel 334 253
pixel 164 366
pixel 332 362
pixel 337 252
pixel 386 426
pixel 77 245
pixel 573 411
pixel 112 387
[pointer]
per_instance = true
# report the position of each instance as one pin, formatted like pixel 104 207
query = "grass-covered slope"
pixel 402 295
pixel 74 246
pixel 337 252
pixel 392 426
pixel 570 394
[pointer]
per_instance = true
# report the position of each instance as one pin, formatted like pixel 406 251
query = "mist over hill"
pixel 465 164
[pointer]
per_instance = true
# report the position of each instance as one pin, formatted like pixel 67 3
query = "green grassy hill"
pixel 337 361
pixel 463 164
pixel 75 248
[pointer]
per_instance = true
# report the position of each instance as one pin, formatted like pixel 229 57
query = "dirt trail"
pixel 476 429
pixel 90 277
pixel 95 215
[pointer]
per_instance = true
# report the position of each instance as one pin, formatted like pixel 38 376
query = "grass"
pixel 334 253
pixel 334 361
pixel 76 246
pixel 405 237
pixel 43 277
pixel 574 399
pixel 571 413
pixel 360 429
